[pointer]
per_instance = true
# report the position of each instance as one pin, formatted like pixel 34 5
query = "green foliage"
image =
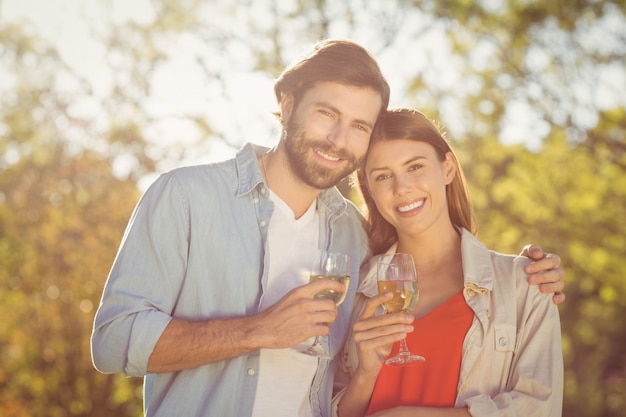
pixel 572 202
pixel 60 224
pixel 62 214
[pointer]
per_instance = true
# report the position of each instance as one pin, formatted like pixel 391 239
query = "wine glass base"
pixel 405 359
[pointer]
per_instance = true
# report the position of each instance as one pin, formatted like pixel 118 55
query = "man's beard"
pixel 299 148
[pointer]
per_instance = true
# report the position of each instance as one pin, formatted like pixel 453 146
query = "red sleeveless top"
pixel 438 336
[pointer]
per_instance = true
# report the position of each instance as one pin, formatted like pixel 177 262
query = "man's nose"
pixel 338 135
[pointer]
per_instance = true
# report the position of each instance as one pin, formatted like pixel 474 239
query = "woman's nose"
pixel 400 185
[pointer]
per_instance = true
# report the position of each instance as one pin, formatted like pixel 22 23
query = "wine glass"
pixel 396 274
pixel 335 266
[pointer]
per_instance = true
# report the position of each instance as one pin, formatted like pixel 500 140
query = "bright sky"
pixel 69 25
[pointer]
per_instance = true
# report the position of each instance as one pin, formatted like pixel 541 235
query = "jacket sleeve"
pixel 534 384
pixel 140 291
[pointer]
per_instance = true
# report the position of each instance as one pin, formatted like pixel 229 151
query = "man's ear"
pixel 286 108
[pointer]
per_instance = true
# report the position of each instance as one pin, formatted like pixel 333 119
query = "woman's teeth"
pixel 412 206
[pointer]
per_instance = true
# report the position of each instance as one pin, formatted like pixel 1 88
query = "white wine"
pixel 396 274
pixel 405 294
pixel 337 297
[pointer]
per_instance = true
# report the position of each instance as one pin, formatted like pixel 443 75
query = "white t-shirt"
pixel 285 375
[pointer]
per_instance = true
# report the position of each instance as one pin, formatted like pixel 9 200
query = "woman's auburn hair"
pixel 411 124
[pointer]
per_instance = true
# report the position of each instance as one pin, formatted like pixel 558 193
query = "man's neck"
pixel 280 179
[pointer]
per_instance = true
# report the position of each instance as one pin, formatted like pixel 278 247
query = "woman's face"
pixel 408 182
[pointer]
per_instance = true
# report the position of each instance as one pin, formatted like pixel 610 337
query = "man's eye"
pixel 415 167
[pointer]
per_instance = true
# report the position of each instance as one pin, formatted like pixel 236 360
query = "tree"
pixel 572 202
pixel 62 214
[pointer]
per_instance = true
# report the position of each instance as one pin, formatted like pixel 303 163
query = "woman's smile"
pixel 411 207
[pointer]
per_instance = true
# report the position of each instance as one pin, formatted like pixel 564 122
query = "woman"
pixel 492 342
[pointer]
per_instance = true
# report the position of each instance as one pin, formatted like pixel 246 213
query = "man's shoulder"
pixel 200 172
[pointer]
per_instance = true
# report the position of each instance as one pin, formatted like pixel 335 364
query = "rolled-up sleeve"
pixel 139 294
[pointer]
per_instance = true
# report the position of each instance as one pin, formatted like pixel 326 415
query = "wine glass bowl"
pixel 334 266
pixel 334 296
pixel 396 274
pixel 405 295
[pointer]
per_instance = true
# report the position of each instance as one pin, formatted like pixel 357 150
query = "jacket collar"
pixel 477 268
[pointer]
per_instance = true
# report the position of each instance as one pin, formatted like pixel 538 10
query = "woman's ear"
pixel 449 167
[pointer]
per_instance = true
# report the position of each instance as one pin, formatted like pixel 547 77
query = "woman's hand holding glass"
pixel 374 335
pixel 396 274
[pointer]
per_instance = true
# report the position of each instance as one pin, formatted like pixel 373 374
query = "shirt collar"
pixel 249 176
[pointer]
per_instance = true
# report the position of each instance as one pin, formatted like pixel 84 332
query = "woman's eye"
pixel 381 177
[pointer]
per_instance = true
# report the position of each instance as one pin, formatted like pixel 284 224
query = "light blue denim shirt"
pixel 195 248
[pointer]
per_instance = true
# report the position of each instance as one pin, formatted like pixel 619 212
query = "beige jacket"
pixel 512 358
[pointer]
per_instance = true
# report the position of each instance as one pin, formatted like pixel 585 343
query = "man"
pixel 209 291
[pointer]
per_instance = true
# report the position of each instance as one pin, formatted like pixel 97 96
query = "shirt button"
pixel 262 190
pixel 256 200
pixel 262 223
pixel 502 341
pixel 251 372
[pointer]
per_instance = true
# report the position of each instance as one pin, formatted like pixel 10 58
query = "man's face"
pixel 328 131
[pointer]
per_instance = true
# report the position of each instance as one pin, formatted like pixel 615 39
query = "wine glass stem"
pixel 317 341
pixel 403 347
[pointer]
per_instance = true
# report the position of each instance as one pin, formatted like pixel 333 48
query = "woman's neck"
pixel 436 251
pixel 439 266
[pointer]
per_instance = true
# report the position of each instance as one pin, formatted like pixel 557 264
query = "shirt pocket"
pixel 504 337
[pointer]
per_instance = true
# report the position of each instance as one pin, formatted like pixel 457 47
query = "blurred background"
pixel 99 96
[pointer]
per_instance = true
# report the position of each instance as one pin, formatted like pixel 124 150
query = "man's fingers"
pixel 533 251
pixel 311 289
pixel 549 262
pixel 552 276
pixel 551 287
pixel 558 297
